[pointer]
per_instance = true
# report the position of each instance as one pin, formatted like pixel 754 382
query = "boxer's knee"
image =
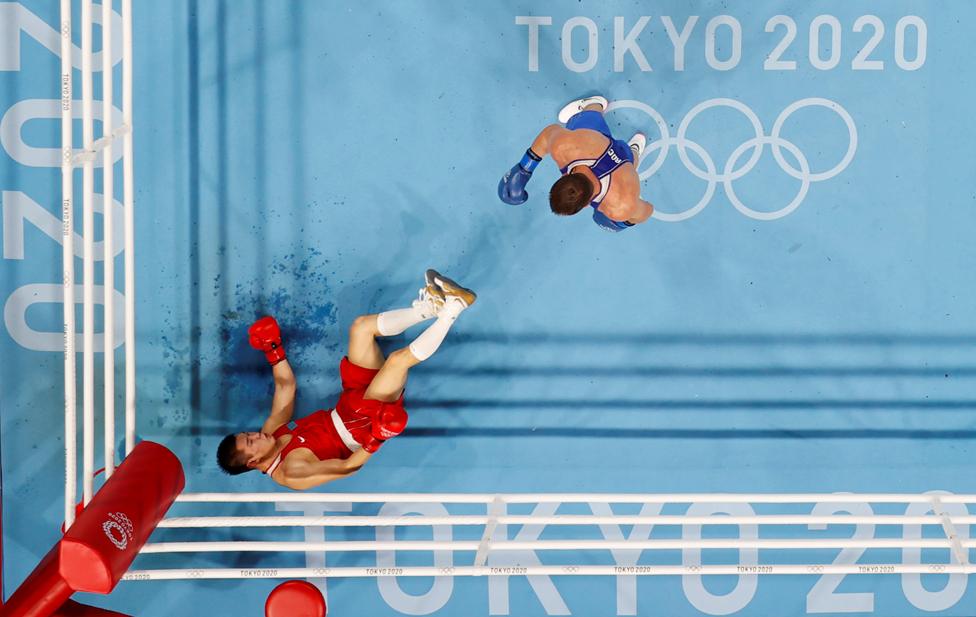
pixel 403 357
pixel 364 325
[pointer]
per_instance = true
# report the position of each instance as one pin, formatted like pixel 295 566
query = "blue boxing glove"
pixel 609 224
pixel 511 188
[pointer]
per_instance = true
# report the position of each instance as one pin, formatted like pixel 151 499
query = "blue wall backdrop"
pixel 804 321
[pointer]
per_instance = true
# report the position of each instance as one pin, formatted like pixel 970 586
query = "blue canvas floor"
pixel 311 160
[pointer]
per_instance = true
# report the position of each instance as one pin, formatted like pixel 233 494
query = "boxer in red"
pixel 329 445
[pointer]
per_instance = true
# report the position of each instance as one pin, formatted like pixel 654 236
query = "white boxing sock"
pixel 391 323
pixel 430 339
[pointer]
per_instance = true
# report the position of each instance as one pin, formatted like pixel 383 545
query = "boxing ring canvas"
pixel 798 317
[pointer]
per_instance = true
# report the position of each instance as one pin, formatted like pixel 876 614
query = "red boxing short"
pixel 354 410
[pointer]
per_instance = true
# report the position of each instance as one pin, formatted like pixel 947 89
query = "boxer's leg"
pixel 363 349
pixel 391 323
pixel 388 384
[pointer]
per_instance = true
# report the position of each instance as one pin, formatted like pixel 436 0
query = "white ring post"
pixel 129 198
pixel 496 509
pixel 88 276
pixel 961 555
pixel 68 278
pixel 108 223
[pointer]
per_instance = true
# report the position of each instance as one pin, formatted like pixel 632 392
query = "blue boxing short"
pixel 595 121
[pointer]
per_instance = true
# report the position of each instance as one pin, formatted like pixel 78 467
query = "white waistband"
pixel 344 433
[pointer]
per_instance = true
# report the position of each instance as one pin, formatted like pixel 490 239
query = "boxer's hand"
pixel 511 188
pixel 390 422
pixel 372 444
pixel 265 335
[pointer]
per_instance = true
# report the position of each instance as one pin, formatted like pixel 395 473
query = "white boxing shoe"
pixel 451 290
pixel 429 302
pixel 638 143
pixel 574 107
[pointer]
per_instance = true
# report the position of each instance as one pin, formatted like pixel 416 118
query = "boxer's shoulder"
pixel 620 202
pixel 292 463
pixel 576 145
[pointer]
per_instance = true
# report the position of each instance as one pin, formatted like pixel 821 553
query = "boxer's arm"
pixel 511 188
pixel 303 471
pixel 543 143
pixel 283 403
pixel 644 212
pixel 627 206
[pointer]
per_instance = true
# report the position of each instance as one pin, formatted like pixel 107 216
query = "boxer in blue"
pixel 597 170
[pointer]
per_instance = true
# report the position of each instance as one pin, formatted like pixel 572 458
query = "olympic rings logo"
pixel 118 529
pixel 115 534
pixel 730 173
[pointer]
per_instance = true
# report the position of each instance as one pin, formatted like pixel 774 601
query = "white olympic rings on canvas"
pixel 729 173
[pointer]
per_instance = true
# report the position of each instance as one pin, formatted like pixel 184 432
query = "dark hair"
pixel 570 194
pixel 230 459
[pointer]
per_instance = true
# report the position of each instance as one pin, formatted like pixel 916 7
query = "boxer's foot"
pixel 451 289
pixel 429 301
pixel 637 145
pixel 574 107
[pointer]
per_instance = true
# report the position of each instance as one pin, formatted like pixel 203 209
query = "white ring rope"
pixel 567 520
pixel 356 546
pixel 371 572
pixel 529 498
pixel 85 159
pixel 68 273
pixel 953 540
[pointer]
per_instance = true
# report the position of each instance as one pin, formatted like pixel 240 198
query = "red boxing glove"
pixel 389 422
pixel 265 335
pixel 372 444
